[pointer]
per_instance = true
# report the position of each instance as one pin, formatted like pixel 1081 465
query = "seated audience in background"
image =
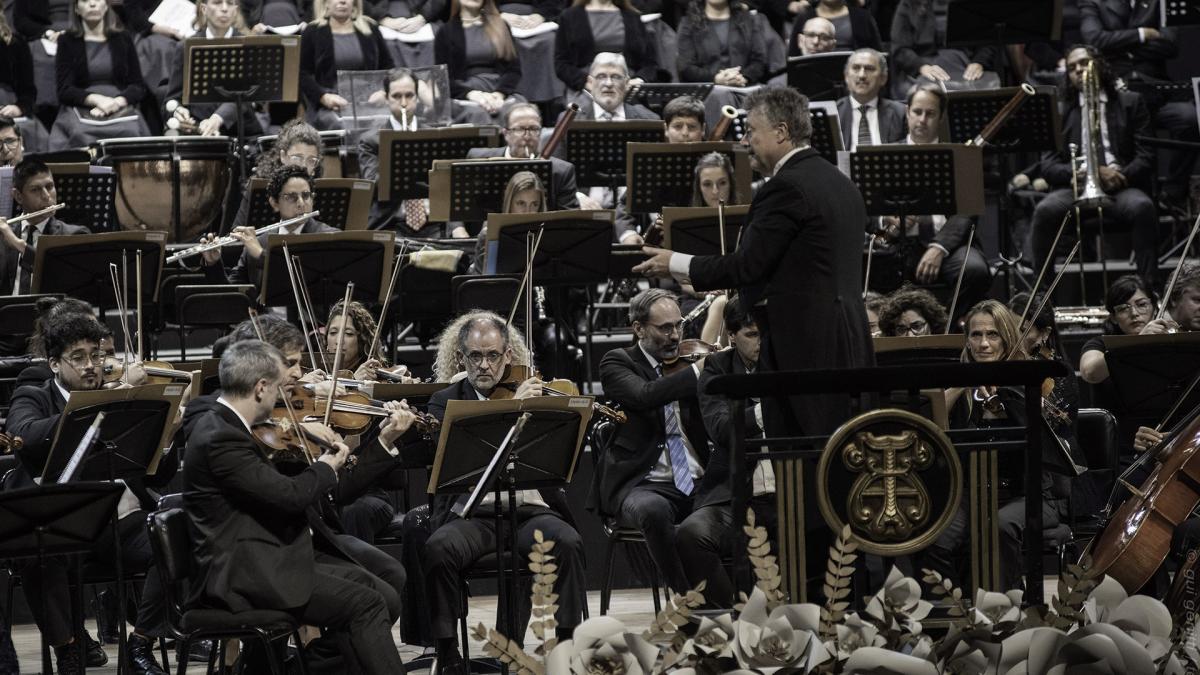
pixel 340 38
pixel 408 17
pixel 32 190
pixel 853 27
pixel 816 36
pixel 719 42
pixel 99 79
pixel 590 28
pixel 18 93
pixel 480 56
pixel 865 116
pixel 919 47
pixel 912 312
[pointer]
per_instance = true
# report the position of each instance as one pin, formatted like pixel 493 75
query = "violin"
pixel 514 375
pixel 690 351
pixel 157 372
pixel 292 443
pixel 352 412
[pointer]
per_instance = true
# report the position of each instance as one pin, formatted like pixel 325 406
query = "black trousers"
pixel 346 599
pixel 366 516
pixel 455 546
pixel 707 535
pixel 655 508
pixel 1130 207
pixel 1179 118
pixel 47 586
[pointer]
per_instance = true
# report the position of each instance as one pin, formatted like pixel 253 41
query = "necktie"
pixel 607 117
pixel 414 214
pixel 676 450
pixel 864 127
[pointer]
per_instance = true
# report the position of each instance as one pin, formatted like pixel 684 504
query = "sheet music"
pixel 423 34
pixel 123 116
pixel 50 46
pixel 176 14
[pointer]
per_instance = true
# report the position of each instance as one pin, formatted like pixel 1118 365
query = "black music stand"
pixel 1173 13
pixel 405 157
pixel 1036 127
pixel 77 265
pixel 622 259
pixel 329 261
pixel 656 95
pixel 89 193
pixel 597 148
pixel 343 203
pixel 54 520
pixel 696 230
pixel 820 77
pixel 919 180
pixel 468 190
pixel 662 174
pixel 919 350
pixel 826 132
pixel 246 69
pixel 1150 372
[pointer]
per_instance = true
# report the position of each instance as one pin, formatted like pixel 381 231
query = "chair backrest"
pixel 603 434
pixel 223 305
pixel 491 292
pixel 171 543
pixel 1096 431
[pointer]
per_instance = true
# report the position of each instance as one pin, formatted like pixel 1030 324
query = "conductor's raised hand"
pixel 658 264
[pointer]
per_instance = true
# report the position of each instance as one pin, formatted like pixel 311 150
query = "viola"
pixel 514 375
pixel 690 351
pixel 157 372
pixel 352 414
pixel 292 443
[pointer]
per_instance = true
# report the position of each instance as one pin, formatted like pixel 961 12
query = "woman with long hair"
pixel 718 42
pixel 340 37
pixel 523 194
pixel 477 47
pixel 99 79
pixel 713 181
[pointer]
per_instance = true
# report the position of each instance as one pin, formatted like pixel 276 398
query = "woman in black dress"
pixel 477 47
pixel 340 38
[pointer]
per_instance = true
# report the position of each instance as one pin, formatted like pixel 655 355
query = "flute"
pixel 229 239
pixel 30 216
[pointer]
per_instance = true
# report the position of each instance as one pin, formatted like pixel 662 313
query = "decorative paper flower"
pixel 602 646
pixel 900 597
pixel 854 634
pixel 714 639
pixel 993 608
pixel 787 637
pixel 1097 648
pixel 878 661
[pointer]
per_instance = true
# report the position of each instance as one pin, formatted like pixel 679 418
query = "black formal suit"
pixel 919 38
pixel 863 28
pixel 456 544
pixel 575 47
pixel 450 48
pixel 16 71
pixel 1127 118
pixel 11 259
pixel 318 70
pixel 249 270
pixel 254 549
pixel 892 116
pixel 715 488
pixel 799 265
pixel 386 214
pixel 633 111
pixel 701 54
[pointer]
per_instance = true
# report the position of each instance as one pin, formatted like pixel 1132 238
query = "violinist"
pixel 993 334
pixel 483 348
pixel 912 312
pixel 1183 305
pixel 71 342
pixel 243 509
pixel 357 336
pixel 290 194
pixel 705 536
pixel 648 478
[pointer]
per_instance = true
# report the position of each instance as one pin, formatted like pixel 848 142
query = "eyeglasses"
pixel 1142 306
pixel 669 328
pixel 478 358
pixel 10 143
pixel 82 360
pixel 915 328
pixel 820 37
pixel 525 130
pixel 310 162
pixel 293 197
pixel 606 77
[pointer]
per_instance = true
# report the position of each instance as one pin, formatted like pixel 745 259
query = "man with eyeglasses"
pixel 72 347
pixel 603 96
pixel 648 477
pixel 818 36
pixel 12 149
pixel 32 190
pixel 290 193
pixel 483 347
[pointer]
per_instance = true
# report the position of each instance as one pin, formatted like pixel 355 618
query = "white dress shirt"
pixel 872 121
pixel 662 469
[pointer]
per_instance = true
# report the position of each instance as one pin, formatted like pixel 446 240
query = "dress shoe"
pixel 140 655
pixel 198 651
pixel 94 653
pixel 66 657
pixel 450 663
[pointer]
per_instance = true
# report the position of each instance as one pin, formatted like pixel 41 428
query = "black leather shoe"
pixel 94 653
pixel 199 651
pixel 451 663
pixel 140 651
pixel 66 658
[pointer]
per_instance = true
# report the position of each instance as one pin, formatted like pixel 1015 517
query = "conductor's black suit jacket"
pixel 631 382
pixel 799 265
pixel 254 549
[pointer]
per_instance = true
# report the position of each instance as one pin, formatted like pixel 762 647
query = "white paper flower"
pixel 900 595
pixel 853 634
pixel 714 638
pixel 993 608
pixel 1098 648
pixel 787 637
pixel 602 646
pixel 878 661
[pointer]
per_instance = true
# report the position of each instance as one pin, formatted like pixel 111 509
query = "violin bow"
pixel 337 354
pixel 1045 266
pixel 119 295
pixel 870 254
pixel 312 314
pixel 387 300
pixel 957 282
pixel 287 402
pixel 305 326
pixel 1162 310
pixel 1045 297
pixel 526 287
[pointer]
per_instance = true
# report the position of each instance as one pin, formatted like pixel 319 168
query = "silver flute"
pixel 230 240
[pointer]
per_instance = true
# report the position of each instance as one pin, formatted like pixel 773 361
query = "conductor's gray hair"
pixel 783 105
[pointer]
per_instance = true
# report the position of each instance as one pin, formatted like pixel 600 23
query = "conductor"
pixel 798 264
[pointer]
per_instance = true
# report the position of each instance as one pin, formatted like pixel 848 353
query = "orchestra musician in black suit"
pixel 254 531
pixel 647 479
pixel 522 138
pixel 1127 165
pixel 798 265
pixel 32 190
pixel 866 74
pixel 483 348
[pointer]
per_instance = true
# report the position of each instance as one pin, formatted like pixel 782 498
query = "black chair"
pixel 165 317
pixel 218 306
pixel 1096 431
pixel 603 434
pixel 171 540
pixel 491 292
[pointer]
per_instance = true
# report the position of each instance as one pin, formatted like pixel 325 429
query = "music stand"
pixel 405 157
pixel 469 189
pixel 89 193
pixel 1173 13
pixel 820 77
pixel 1150 372
pixel 826 132
pixel 1035 127
pixel 656 95
pixel 329 261
pixel 662 174
pixel 344 203
pixel 574 245
pixel 694 230
pixel 53 520
pixel 246 69
pixel 919 349
pixel 77 265
pixel 919 180
pixel 597 148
